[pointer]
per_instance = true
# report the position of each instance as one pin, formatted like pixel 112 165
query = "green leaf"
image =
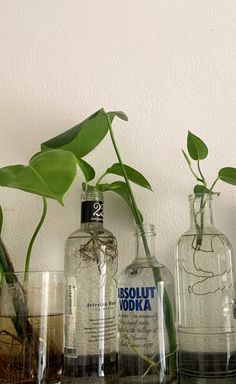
pixel 1 219
pixel 48 174
pixel 84 137
pixel 119 114
pixel 197 149
pixel 133 175
pixel 200 189
pixel 228 175
pixel 103 187
pixel 87 169
pixel 121 189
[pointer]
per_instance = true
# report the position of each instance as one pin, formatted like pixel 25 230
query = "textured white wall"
pixel 170 65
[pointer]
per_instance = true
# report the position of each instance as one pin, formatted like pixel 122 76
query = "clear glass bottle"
pixel 147 339
pixel 206 300
pixel 90 352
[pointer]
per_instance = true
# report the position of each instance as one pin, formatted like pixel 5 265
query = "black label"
pixel 92 211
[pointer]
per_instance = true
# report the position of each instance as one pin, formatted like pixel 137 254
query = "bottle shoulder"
pixel 146 267
pixel 207 234
pixel 92 230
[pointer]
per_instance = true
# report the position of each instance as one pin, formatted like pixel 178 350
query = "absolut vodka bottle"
pixel 147 339
pixel 90 352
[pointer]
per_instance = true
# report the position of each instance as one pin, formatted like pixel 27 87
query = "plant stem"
pixel 202 177
pixel 168 313
pixel 137 216
pixel 1 219
pixel 29 251
pixel 190 167
pixel 20 320
pixel 1 274
pixel 100 178
pixel 214 183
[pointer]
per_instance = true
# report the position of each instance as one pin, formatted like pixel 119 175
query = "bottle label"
pixel 92 211
pixel 98 329
pixel 140 319
pixel 91 320
pixel 70 348
pixel 136 299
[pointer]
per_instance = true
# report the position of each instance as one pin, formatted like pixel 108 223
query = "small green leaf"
pixel 1 219
pixel 228 175
pixel 187 158
pixel 48 174
pixel 87 169
pixel 121 189
pixel 119 114
pixel 197 149
pixel 133 175
pixel 200 189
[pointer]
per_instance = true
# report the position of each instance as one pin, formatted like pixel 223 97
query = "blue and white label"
pixel 138 299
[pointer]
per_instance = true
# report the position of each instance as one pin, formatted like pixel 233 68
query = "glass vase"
pixel 31 327
pixel 206 299
pixel 147 341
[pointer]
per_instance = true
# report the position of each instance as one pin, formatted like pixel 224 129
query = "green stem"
pixel 100 178
pixel 194 174
pixel 168 313
pixel 214 183
pixel 1 219
pixel 29 251
pixel 190 167
pixel 202 177
pixel 1 273
pixel 137 216
pixel 20 320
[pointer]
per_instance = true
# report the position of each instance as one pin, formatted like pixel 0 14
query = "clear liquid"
pixel 35 360
pixel 91 369
pixel 134 370
pixel 206 367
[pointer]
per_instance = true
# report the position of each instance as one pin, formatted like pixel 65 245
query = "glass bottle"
pixel 147 340
pixel 205 296
pixel 90 352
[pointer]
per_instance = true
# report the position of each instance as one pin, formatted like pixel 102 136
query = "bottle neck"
pixel 145 242
pixel 92 209
pixel 201 217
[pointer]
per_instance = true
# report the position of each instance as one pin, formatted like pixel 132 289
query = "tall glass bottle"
pixel 90 353
pixel 147 341
pixel 205 295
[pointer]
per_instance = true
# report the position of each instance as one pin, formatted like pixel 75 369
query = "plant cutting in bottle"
pixel 205 282
pixel 198 151
pixel 72 140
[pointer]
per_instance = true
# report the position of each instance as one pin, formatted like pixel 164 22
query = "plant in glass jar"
pixel 205 283
pixel 153 359
pixel 29 319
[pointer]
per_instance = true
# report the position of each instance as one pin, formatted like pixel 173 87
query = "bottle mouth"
pixel 93 195
pixel 144 229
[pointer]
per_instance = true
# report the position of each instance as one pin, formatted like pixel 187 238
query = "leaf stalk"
pixel 29 251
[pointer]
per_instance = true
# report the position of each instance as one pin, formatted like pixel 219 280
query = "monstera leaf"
pixel 48 174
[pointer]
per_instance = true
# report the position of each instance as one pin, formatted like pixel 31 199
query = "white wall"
pixel 170 65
